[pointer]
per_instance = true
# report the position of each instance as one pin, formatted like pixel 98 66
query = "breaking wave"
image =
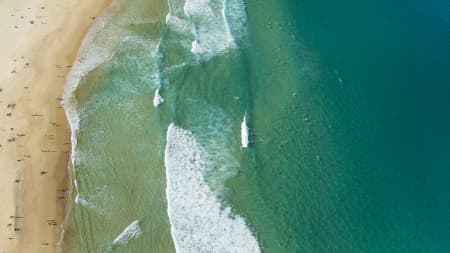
pixel 199 221
pixel 215 25
pixel 132 231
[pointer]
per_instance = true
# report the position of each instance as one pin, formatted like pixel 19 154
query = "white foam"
pixel 214 24
pixel 81 201
pixel 92 52
pixel 178 24
pixel 157 99
pixel 244 132
pixel 212 36
pixel 235 18
pixel 199 222
pixel 198 8
pixel 97 47
pixel 132 231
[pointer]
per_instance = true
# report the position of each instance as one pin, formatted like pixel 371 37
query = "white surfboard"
pixel 244 132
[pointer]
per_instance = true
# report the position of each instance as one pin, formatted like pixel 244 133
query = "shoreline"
pixel 40 43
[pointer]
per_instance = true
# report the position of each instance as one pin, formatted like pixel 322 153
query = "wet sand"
pixel 39 43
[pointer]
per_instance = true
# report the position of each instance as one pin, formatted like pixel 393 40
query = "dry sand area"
pixel 39 42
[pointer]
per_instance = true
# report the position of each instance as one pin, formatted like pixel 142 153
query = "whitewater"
pixel 200 223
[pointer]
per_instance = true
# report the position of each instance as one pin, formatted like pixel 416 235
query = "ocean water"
pixel 347 106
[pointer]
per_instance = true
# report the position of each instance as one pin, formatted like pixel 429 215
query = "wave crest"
pixel 132 231
pixel 216 25
pixel 199 222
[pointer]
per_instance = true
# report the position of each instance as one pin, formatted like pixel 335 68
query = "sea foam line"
pixel 80 68
pixel 199 222
pixel 216 25
pixel 92 53
pixel 132 231
pixel 212 36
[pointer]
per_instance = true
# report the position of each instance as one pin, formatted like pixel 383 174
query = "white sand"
pixel 39 41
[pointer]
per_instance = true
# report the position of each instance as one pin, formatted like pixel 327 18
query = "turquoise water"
pixel 347 106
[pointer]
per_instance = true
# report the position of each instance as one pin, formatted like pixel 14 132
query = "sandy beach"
pixel 39 43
